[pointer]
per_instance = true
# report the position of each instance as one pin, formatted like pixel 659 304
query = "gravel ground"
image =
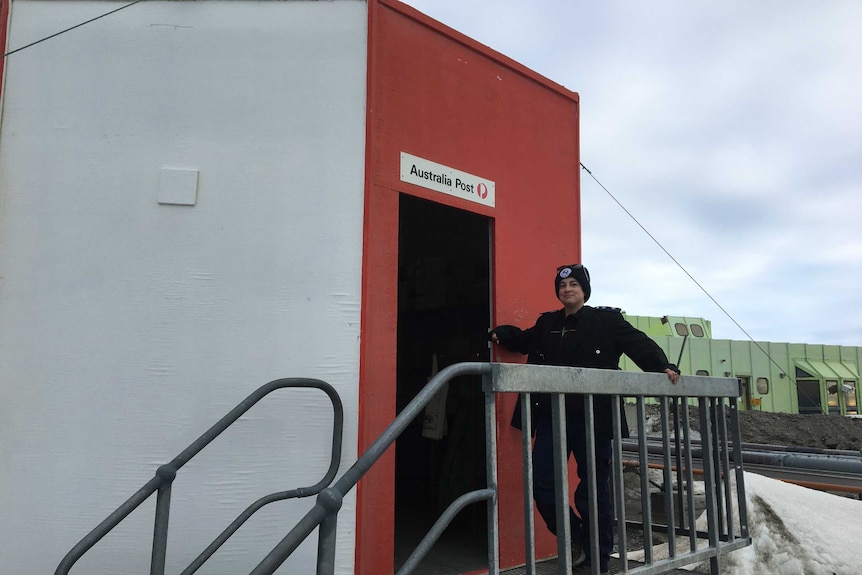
pixel 819 431
pixel 789 429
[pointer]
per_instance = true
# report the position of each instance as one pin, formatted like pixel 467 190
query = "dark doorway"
pixel 745 384
pixel 443 318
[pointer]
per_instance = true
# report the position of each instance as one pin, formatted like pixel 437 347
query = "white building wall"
pixel 129 326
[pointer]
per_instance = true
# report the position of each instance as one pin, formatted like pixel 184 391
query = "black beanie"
pixel 577 271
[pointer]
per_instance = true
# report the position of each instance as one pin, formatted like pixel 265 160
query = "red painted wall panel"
pixel 437 94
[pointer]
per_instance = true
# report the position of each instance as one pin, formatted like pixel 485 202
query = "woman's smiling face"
pixel 571 294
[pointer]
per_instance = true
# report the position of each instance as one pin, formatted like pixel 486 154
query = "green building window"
pixel 808 394
pixel 850 397
pixel 762 385
pixel 832 397
pixel 680 329
pixel 696 330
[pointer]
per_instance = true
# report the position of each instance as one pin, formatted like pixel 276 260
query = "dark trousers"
pixel 543 484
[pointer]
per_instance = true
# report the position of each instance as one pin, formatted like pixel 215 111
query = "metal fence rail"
pixel 716 397
pixel 165 475
pixel 325 512
pixel 726 526
pixel 725 529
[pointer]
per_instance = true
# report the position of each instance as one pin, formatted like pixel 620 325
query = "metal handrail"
pixel 441 524
pixel 519 378
pixel 165 475
pixel 720 445
pixel 329 501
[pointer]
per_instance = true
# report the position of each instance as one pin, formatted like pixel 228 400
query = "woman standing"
pixel 579 335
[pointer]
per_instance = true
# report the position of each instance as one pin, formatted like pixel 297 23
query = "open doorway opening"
pixel 443 318
pixel 745 384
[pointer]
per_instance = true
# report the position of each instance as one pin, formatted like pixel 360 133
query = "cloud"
pixel 732 131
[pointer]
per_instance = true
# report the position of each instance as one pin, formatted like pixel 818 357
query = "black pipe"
pixel 773 458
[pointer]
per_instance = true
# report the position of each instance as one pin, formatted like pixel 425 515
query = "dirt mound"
pixel 819 431
pixel 786 429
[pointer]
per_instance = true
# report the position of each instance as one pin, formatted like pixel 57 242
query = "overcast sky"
pixel 732 131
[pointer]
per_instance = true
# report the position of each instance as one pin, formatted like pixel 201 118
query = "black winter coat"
pixel 592 337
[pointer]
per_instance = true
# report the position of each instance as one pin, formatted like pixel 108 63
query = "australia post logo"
pixel 438 177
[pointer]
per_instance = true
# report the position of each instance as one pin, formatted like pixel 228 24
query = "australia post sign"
pixel 440 178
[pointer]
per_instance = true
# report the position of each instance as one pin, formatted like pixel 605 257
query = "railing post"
pixel 724 481
pixel 167 474
pixel 681 484
pixel 332 500
pixel 669 510
pixel 737 464
pixel 527 456
pixel 491 482
pixel 709 477
pixel 561 483
pixel 643 465
pixel 689 476
pixel 592 484
pixel 619 482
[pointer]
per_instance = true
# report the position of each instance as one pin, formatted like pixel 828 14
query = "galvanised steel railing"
pixel 723 532
pixel 325 512
pixel 165 475
pixel 724 484
pixel 716 400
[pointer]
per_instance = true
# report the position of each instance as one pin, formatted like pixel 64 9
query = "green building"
pixel 781 377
